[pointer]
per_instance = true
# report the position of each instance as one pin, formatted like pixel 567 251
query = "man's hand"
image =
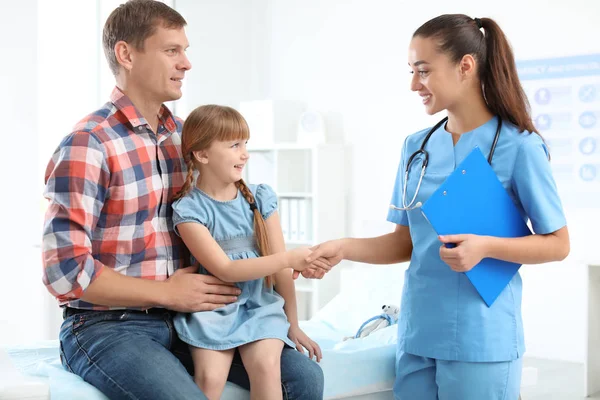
pixel 188 291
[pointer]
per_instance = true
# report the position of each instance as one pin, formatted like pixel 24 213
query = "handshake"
pixel 314 262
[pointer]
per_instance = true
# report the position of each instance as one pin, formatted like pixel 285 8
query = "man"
pixel 111 256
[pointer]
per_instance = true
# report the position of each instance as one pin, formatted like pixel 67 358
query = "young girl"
pixel 227 225
pixel 451 346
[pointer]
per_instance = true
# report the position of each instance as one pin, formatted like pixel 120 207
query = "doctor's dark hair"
pixel 458 35
pixel 202 127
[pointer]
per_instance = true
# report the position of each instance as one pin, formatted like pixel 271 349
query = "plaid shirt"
pixel 110 185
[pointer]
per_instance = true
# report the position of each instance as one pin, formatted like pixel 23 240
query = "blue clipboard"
pixel 472 200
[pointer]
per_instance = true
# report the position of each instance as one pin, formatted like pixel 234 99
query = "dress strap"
pixel 238 245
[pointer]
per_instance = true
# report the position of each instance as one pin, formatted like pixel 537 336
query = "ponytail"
pixel 501 86
pixel 457 35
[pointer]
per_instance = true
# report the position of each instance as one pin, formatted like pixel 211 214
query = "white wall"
pixel 49 81
pixel 229 47
pixel 348 58
pixel 19 165
pixel 344 58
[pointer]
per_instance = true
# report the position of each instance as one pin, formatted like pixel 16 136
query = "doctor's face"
pixel 434 76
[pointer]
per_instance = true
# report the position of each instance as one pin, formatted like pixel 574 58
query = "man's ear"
pixel 200 156
pixel 123 52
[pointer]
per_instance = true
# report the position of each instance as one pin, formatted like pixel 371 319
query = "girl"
pixel 227 225
pixel 451 346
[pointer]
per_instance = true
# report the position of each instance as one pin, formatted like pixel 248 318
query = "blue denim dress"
pixel 258 312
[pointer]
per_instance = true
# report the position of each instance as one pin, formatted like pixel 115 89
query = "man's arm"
pixel 185 291
pixel 77 182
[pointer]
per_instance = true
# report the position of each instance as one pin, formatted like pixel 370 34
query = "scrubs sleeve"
pixel 535 187
pixel 399 217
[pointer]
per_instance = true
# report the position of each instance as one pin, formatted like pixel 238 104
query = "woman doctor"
pixel 451 346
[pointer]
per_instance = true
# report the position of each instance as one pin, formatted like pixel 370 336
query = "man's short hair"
pixel 133 22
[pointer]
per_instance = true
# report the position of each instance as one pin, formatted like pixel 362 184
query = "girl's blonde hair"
pixel 202 127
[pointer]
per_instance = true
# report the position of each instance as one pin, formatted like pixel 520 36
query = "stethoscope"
pixel 425 155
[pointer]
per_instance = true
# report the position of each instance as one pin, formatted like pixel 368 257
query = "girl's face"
pixel 435 77
pixel 224 159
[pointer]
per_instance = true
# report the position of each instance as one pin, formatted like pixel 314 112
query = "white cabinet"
pixel 592 356
pixel 310 184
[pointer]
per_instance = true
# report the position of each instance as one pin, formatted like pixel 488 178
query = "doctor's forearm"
pixel 534 249
pixel 392 248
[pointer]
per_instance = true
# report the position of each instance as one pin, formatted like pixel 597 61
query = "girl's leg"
pixel 479 380
pixel 211 368
pixel 262 360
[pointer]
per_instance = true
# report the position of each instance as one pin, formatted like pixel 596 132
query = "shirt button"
pixel 140 128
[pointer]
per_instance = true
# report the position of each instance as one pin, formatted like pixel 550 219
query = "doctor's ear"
pixel 467 66
pixel 200 156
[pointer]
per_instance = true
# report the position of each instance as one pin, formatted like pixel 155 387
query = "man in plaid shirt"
pixel 110 254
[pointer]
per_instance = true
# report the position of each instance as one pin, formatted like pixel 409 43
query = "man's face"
pixel 158 70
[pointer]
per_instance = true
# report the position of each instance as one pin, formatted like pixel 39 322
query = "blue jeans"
pixel 133 355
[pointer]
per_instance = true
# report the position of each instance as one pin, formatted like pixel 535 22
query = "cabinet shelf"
pixel 309 182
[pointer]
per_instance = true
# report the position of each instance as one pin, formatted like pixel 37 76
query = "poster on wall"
pixel 564 94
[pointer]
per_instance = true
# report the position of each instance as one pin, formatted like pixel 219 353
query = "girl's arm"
pixel 210 255
pixel 533 249
pixel 284 284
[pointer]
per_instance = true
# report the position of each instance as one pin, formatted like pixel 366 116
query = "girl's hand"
pixel 311 273
pixel 298 260
pixel 304 342
pixel 469 251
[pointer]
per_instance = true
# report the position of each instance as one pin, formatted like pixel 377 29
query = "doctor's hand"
pixel 298 262
pixel 469 251
pixel 329 252
pixel 302 341
pixel 332 251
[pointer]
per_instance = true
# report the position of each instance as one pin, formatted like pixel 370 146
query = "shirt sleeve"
pixel 267 200
pixel 77 181
pixel 535 187
pixel 188 209
pixel 399 217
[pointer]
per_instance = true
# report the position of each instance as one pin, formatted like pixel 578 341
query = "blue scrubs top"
pixel 442 315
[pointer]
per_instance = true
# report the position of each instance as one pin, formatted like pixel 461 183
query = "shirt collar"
pixel 134 117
